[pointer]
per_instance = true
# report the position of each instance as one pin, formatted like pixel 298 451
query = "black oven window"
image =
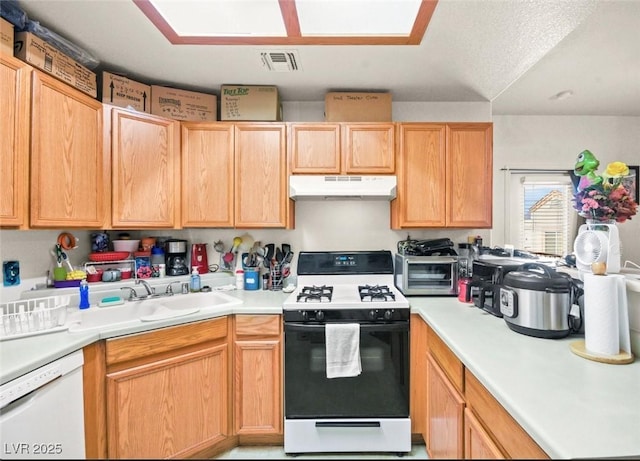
pixel 381 390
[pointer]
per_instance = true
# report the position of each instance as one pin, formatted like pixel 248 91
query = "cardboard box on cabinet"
pixel 6 37
pixel 35 51
pixel 357 107
pixel 123 92
pixel 183 105
pixel 250 103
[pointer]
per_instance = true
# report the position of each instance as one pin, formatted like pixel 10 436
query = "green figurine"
pixel 586 166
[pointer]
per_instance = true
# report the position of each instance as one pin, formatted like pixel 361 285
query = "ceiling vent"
pixel 281 61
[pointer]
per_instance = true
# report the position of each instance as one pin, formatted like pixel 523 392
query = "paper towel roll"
pixel 606 317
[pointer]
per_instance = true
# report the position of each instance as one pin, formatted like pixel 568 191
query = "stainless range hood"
pixel 351 187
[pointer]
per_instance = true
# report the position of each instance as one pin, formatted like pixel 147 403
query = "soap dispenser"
pixel 194 285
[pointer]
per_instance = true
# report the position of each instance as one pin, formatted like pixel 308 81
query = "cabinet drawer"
pixel 258 325
pixel 142 345
pixel 446 359
pixel 513 438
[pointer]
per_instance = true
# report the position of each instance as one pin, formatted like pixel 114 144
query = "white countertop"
pixel 572 407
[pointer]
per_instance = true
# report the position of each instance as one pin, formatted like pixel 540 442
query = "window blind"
pixel 542 218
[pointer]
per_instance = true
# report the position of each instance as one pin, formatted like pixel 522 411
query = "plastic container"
pixel 194 283
pixel 84 295
pixel 251 279
pixel 239 279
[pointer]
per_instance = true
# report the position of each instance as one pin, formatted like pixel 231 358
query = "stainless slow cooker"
pixel 536 300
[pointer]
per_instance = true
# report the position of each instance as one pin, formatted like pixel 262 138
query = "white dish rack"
pixel 28 317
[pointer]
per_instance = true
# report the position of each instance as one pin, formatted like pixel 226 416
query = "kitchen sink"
pixel 147 310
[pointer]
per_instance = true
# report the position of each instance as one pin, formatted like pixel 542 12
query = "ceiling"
pixel 516 54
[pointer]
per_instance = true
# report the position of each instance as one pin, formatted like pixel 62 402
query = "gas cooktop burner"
pixel 375 293
pixel 315 294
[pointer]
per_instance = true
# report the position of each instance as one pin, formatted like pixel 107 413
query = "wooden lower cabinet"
pixel 508 435
pixel 166 393
pixel 154 412
pixel 478 444
pixel 445 415
pixel 257 378
pixel 461 419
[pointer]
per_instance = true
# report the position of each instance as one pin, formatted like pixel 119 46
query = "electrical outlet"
pixel 10 273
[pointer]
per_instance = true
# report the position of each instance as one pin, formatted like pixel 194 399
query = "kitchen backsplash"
pixel 335 225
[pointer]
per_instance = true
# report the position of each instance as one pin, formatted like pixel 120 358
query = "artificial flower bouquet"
pixel 607 197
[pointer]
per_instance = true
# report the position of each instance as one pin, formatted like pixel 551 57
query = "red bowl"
pixel 97 277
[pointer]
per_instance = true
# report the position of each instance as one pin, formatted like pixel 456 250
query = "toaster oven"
pixel 426 275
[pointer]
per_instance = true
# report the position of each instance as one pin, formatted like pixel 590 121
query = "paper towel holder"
pixel 622 358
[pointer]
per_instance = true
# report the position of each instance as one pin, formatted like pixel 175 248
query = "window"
pixel 541 218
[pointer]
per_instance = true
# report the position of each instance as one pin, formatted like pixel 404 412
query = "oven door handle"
pixel 347 423
pixel 399 326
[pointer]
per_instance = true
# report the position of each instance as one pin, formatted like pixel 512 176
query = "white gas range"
pixel 368 412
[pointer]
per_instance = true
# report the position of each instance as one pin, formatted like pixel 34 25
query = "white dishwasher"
pixel 42 412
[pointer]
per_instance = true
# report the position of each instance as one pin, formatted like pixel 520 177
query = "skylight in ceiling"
pixel 215 18
pixel 357 17
pixel 290 22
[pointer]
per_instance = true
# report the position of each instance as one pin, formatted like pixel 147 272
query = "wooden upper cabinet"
pixel 207 174
pixel 314 148
pixel 368 148
pixel 470 170
pixel 444 176
pixel 422 162
pixel 260 175
pixel 69 171
pixel 15 94
pixel 342 148
pixel 145 152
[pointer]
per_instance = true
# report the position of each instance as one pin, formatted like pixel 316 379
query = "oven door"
pixel 380 391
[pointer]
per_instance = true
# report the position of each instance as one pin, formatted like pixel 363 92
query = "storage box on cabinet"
pixel 250 103
pixel 183 105
pixel 6 37
pixel 357 107
pixel 40 54
pixel 121 91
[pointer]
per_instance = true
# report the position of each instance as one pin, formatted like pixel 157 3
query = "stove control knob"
pixel 305 315
pixel 373 314
pixel 388 314
pixel 319 316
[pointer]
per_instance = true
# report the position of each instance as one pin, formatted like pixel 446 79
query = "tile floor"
pixel 417 452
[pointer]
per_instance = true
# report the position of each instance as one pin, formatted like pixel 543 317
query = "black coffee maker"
pixel 175 251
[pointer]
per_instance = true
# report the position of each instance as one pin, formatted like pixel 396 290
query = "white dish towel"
pixel 342 342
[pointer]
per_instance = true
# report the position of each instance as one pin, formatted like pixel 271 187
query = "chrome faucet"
pixel 132 293
pixel 149 288
pixel 169 289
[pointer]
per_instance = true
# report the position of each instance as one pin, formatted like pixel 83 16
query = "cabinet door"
pixel 314 148
pixel 154 412
pixel 368 148
pixel 477 442
pixel 69 173
pixel 445 409
pixel 257 384
pixel 422 177
pixel 470 170
pixel 145 153
pixel 261 177
pixel 258 375
pixel 207 174
pixel 15 84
